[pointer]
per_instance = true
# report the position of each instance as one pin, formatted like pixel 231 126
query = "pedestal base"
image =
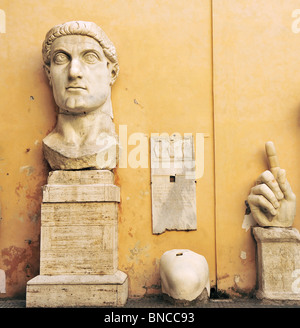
pixel 278 263
pixel 79 243
pixel 278 296
pixel 77 291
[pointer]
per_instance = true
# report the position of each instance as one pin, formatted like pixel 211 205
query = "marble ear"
pixel 47 70
pixel 113 68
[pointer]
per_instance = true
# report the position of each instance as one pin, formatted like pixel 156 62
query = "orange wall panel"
pixel 164 85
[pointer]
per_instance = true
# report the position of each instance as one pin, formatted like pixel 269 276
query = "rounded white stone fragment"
pixel 184 274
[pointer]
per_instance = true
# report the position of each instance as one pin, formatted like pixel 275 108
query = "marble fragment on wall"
pixel 173 183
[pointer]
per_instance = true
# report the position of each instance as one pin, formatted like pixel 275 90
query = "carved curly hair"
pixel 80 28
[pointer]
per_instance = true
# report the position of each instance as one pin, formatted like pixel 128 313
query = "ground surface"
pixel 159 302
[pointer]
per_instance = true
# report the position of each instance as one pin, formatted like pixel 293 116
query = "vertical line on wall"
pixel 214 139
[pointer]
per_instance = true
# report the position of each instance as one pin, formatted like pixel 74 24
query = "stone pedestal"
pixel 79 243
pixel 278 263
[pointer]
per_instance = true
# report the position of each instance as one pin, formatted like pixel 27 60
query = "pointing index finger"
pixel 272 158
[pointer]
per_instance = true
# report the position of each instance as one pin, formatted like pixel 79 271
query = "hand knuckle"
pixel 267 175
pixel 262 188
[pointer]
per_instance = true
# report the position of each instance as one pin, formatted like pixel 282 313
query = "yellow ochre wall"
pixel 226 68
pixel 164 85
pixel 256 99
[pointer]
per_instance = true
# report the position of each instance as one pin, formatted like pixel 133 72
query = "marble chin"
pixel 102 155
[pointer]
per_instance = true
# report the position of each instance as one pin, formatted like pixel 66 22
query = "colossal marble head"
pixel 81 28
pixel 81 64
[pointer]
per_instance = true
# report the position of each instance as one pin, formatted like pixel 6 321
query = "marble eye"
pixel 60 58
pixel 91 57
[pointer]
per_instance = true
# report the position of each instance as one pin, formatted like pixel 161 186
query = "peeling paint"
pixel 243 255
pixel 28 169
pixel 18 189
pixel 143 193
pixel 236 279
pixel 130 232
pixel 34 217
pixel 138 252
pixel 153 289
pixel 226 275
pixel 20 265
pixel 248 222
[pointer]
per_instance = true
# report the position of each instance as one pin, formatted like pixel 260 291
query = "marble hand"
pixel 271 200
